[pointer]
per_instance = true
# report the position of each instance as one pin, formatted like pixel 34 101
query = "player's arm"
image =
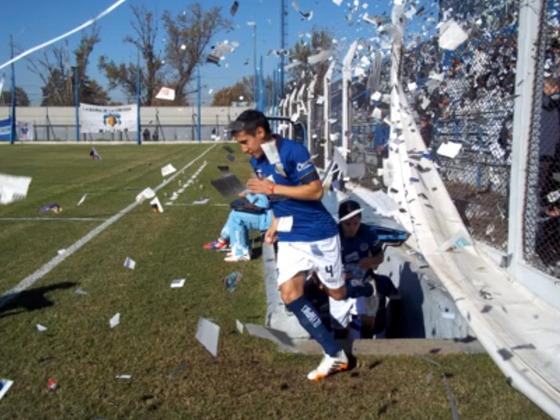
pixel 376 255
pixel 310 191
pixel 271 234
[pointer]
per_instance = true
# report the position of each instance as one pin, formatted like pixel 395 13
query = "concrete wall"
pixel 148 115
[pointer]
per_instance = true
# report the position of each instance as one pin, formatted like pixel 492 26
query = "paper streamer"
pixel 58 38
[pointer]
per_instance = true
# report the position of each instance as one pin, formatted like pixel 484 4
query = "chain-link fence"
pixel 542 210
pixel 464 97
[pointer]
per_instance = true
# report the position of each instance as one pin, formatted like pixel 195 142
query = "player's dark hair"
pixel 348 207
pixel 249 121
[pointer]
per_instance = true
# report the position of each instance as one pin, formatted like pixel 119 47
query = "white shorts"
pixel 322 257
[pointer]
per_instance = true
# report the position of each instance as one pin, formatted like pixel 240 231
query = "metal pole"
pixel 77 101
pixel 283 13
pixel 138 102
pixel 198 105
pixel 13 121
pixel 255 63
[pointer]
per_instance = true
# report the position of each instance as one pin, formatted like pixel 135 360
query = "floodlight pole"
pixel 138 102
pixel 13 121
pixel 283 36
pixel 198 106
pixel 77 101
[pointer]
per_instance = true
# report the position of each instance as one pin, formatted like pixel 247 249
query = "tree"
pixel 21 97
pixel 125 76
pixel 321 40
pixel 189 35
pixel 57 74
pixel 228 95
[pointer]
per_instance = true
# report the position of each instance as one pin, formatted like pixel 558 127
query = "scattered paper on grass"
pixel 224 169
pixel 156 205
pixel 5 384
pixel 54 206
pixel 94 155
pixel 82 199
pixel 228 185
pixel 240 327
pixel 116 320
pixel 13 188
pixel 207 334
pixel 129 263
pixel 168 170
pixel 454 411
pixel 41 328
pixel 52 384
pixel 127 377
pixel 61 251
pixel 145 194
pixel 201 200
pixel 232 280
pixel 80 292
pixel 178 369
pixel 177 283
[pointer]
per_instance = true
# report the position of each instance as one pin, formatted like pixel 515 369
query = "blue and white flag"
pixel 101 119
pixel 5 129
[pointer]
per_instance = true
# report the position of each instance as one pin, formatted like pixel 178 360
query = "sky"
pixel 33 22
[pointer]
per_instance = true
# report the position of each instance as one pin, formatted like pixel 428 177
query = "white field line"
pixel 32 278
pixel 49 219
pixel 175 194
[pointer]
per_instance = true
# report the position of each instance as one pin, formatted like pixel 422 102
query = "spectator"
pixel 307 234
pixel 253 213
pixel 155 136
pixel 426 131
pixel 146 134
pixel 361 254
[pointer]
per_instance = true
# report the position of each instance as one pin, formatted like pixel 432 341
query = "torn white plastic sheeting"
pixel 145 194
pixel 168 170
pixel 13 188
pixel 207 334
pixel 379 201
pixel 340 160
pixel 523 318
pixel 319 57
pixel 451 35
pixel 356 170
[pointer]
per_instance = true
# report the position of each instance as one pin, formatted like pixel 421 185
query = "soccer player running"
pixel 307 234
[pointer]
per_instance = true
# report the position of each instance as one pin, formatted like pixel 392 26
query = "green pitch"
pixel 248 379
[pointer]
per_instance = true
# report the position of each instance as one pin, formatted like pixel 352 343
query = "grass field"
pixel 248 379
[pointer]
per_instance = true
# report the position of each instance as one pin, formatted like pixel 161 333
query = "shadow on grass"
pixel 30 300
